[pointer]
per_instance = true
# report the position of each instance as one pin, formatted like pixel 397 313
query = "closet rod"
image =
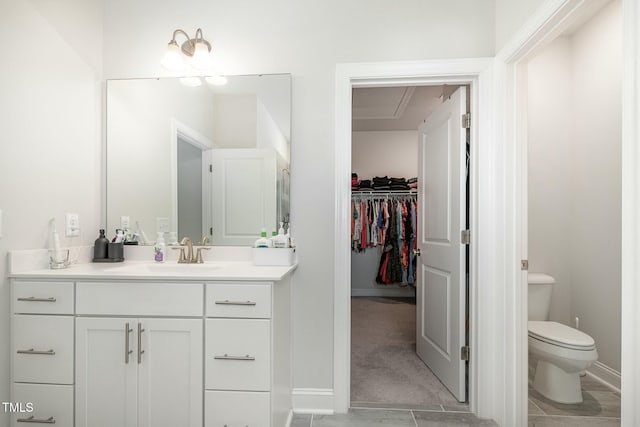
pixel 384 193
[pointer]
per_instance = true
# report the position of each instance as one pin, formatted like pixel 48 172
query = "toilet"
pixel 562 352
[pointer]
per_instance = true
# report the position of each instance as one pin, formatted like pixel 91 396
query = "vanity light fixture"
pixel 196 50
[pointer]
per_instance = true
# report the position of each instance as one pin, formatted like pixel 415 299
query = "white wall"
pixel 575 176
pixel 550 158
pixel 307 40
pixel 385 153
pixel 50 116
pixel 380 153
pixel 597 196
pixel 510 16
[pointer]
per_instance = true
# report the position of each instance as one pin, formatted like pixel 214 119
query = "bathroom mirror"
pixel 198 161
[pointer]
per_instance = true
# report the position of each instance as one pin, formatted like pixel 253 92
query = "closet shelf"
pixel 378 193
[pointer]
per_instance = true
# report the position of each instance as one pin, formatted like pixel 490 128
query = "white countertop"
pixel 148 270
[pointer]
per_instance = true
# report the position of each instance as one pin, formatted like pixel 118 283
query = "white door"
pixel 244 195
pixel 106 375
pixel 441 267
pixel 170 372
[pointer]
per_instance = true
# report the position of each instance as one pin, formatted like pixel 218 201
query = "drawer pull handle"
pixel 32 351
pixel 227 357
pixel 227 302
pixel 140 350
pixel 34 299
pixel 127 352
pixel 31 419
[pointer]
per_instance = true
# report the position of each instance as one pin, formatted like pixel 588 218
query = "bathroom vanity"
pixel 153 345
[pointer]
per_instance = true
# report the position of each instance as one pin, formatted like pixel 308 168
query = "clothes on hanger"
pixel 390 225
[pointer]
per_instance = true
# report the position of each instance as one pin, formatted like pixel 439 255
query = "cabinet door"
pixel 106 375
pixel 170 372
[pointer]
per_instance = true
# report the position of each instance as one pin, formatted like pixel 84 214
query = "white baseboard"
pixel 606 375
pixel 317 401
pixel 390 292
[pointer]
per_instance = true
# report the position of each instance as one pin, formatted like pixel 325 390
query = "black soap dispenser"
pixel 100 247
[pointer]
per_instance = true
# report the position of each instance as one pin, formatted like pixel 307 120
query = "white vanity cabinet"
pixel 100 352
pixel 138 371
pixel 42 352
pixel 247 354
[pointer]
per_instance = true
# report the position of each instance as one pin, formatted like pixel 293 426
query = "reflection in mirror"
pixel 202 162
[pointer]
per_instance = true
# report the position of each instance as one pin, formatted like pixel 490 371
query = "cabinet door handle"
pixel 140 350
pixel 42 352
pixel 31 419
pixel 227 302
pixel 34 299
pixel 127 352
pixel 227 357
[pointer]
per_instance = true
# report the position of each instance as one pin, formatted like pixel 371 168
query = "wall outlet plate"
pixel 125 222
pixel 72 225
pixel 162 224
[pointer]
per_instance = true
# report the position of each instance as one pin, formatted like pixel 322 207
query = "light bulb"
pixel 173 60
pixel 201 59
pixel 216 80
pixel 191 81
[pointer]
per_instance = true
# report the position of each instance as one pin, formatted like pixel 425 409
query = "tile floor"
pixel 601 408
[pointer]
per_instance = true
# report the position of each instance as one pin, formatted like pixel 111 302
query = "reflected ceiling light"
pixel 191 81
pixel 194 51
pixel 216 80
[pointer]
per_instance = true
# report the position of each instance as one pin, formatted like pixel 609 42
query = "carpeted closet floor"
pixel 385 369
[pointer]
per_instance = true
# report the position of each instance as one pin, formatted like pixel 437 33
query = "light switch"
pixel 72 225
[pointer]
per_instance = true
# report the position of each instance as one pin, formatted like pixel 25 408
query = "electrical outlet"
pixel 72 225
pixel 125 222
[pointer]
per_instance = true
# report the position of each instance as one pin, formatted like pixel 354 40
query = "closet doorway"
pixel 410 187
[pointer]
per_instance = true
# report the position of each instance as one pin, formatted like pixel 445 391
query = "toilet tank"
pixel 540 287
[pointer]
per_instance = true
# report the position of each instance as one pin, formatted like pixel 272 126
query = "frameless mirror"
pixel 198 161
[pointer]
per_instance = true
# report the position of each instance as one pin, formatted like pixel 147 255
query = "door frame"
pixel 180 131
pixel 545 25
pixel 484 368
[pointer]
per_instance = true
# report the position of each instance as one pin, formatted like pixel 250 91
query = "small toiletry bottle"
pixel 100 246
pixel 274 234
pixel 159 249
pixel 280 241
pixel 263 242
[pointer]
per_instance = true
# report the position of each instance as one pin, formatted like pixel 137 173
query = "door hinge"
pixel 524 265
pixel 466 121
pixel 211 231
pixel 464 353
pixel 211 168
pixel 465 237
pixel 417 252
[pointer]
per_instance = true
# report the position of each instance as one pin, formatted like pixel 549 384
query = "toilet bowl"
pixel 562 352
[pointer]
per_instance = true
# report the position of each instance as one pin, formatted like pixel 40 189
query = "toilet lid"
pixel 561 335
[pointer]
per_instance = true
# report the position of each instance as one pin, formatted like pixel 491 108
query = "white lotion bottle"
pixel 160 248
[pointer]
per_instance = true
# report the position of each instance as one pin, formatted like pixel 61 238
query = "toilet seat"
pixel 560 335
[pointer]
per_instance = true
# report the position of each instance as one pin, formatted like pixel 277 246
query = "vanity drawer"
pixel 43 349
pixel 53 403
pixel 235 408
pixel 43 297
pixel 139 299
pixel 238 354
pixel 248 300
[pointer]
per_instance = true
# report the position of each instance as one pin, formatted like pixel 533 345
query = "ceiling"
pixel 395 108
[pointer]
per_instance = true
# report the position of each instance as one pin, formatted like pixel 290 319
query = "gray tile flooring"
pixel 360 417
pixel 601 407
